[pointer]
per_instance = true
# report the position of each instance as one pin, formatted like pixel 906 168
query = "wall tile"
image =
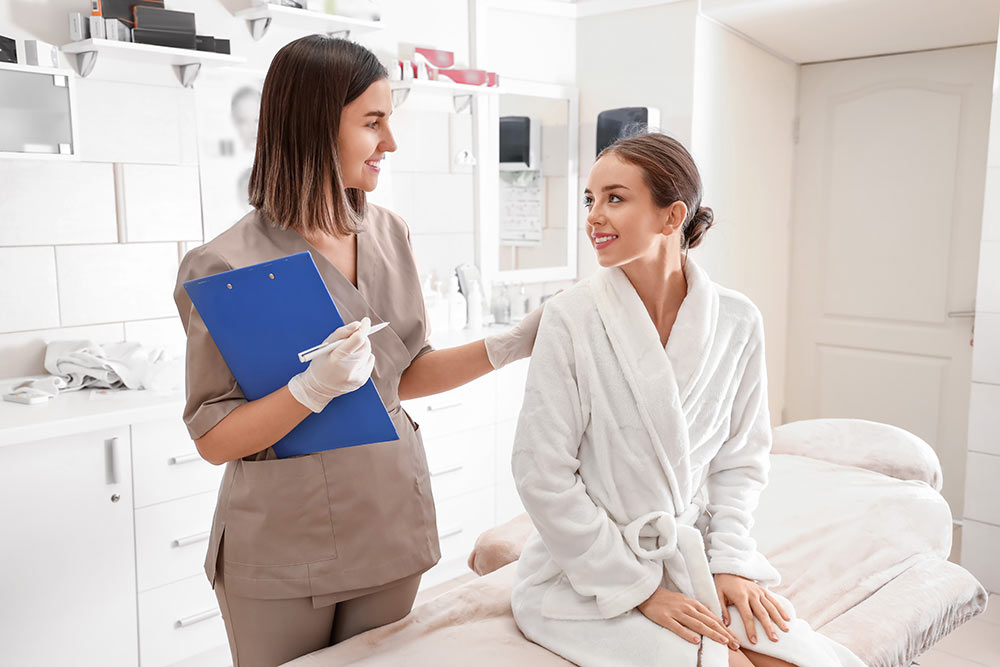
pixel 23 353
pixel 167 333
pixel 986 352
pixel 28 295
pixel 422 137
pixel 442 204
pixel 82 212
pixel 441 253
pixel 402 195
pixel 127 122
pixel 114 283
pixel 980 546
pixel 162 202
pixel 984 418
pixel 988 296
pixel 982 502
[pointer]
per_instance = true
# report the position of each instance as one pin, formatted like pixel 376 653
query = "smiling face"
pixel 364 136
pixel 623 222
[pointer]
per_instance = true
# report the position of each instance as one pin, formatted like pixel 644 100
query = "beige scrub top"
pixel 337 522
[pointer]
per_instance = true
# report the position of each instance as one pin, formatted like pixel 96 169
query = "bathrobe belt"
pixel 679 544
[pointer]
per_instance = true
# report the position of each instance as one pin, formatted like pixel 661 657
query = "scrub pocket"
pixel 279 513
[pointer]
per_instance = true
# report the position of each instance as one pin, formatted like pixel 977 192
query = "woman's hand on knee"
pixel 686 617
pixel 751 600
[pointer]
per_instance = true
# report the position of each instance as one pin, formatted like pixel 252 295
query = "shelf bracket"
pixel 399 96
pixel 188 73
pixel 85 62
pixel 342 34
pixel 461 102
pixel 258 27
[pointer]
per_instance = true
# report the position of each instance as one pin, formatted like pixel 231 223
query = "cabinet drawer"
pixel 460 409
pixel 166 465
pixel 171 539
pixel 461 462
pixel 460 521
pixel 179 621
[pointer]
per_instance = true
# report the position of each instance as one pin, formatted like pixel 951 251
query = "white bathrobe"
pixel 641 466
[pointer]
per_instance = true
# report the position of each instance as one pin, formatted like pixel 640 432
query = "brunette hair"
pixel 296 179
pixel 671 175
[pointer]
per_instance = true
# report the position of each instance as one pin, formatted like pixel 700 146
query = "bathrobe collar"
pixel 662 380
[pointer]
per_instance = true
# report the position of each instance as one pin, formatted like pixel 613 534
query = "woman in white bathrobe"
pixel 642 446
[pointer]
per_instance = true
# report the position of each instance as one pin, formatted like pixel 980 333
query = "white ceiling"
pixel 816 30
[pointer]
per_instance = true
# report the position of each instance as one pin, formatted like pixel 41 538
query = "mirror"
pixel 532 235
pixel 36 111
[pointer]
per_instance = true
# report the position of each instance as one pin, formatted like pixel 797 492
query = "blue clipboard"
pixel 261 317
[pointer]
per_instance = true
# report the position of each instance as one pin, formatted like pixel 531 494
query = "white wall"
pixel 141 152
pixel 742 120
pixel 639 57
pixel 981 525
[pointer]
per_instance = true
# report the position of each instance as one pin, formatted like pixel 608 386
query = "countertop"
pixel 82 411
pixel 91 410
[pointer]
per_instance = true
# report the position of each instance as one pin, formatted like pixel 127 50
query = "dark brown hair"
pixel 671 175
pixel 296 179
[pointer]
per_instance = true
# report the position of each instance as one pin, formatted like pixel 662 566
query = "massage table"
pixel 852 518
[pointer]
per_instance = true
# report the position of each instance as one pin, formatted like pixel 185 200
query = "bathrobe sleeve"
pixel 738 473
pixel 580 536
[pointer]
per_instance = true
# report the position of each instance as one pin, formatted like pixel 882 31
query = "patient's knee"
pixel 738 659
pixel 761 660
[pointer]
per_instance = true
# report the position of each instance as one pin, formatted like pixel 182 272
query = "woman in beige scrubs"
pixel 311 550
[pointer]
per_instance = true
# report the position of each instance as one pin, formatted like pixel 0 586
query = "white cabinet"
pixel 67 564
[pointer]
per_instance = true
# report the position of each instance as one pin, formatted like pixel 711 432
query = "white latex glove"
pixel 516 342
pixel 342 370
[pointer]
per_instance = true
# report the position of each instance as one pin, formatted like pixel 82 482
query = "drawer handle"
pixel 190 539
pixel 450 533
pixel 183 458
pixel 197 618
pixel 110 461
pixel 445 471
pixel 446 406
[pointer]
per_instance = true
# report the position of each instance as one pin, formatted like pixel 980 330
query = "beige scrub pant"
pixel 267 633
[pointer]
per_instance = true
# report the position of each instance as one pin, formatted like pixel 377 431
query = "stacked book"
pixel 143 22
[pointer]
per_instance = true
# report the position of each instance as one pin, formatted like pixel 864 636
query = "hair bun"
pixel 700 223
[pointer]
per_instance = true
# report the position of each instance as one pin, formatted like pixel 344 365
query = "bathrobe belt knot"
pixel 676 541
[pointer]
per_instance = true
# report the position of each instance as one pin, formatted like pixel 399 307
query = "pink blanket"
pixel 862 554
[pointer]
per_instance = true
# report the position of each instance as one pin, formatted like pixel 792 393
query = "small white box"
pixel 40 54
pixel 79 27
pixel 97 27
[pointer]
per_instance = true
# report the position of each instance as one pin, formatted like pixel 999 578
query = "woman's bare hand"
pixel 686 617
pixel 751 600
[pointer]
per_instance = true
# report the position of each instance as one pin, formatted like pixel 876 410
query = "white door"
pixel 67 556
pixel 887 211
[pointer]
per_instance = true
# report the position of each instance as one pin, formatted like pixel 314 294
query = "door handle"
pixel 110 461
pixel 197 618
pixel 183 458
pixel 190 539
pixel 445 471
pixel 446 406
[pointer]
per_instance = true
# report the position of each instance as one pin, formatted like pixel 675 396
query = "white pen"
pixel 313 352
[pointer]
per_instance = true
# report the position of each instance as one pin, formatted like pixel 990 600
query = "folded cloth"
pixel 85 364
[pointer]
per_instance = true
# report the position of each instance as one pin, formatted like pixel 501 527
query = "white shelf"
pixel 187 61
pixel 461 92
pixel 260 18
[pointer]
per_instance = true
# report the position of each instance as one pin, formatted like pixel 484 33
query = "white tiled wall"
pixel 90 247
pixel 981 526
pixel 47 203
